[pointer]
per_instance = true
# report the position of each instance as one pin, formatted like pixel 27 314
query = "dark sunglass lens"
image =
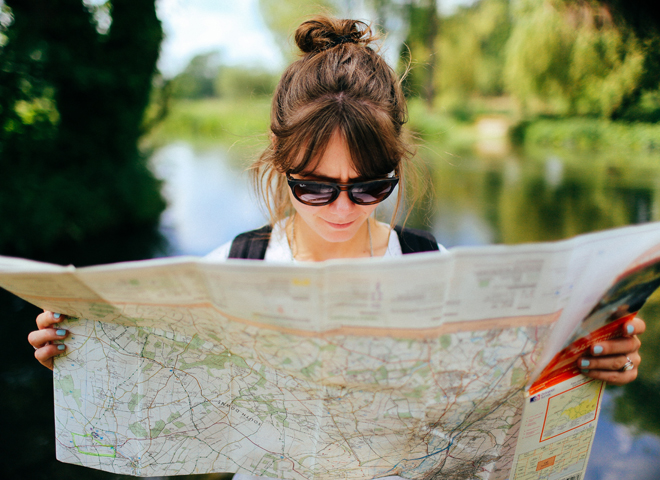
pixel 372 192
pixel 313 193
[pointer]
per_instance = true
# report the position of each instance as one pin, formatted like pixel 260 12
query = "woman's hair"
pixel 340 84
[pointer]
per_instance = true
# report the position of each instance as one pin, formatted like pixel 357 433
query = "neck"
pixel 308 246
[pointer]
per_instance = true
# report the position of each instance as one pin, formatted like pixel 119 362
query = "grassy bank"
pixel 435 127
pixel 242 123
pixel 589 135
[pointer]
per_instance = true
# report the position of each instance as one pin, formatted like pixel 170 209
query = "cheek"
pixel 367 209
pixel 306 212
pixel 364 211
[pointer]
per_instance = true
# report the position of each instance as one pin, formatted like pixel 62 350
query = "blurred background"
pixel 126 127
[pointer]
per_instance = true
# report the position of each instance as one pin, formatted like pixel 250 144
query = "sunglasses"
pixel 318 194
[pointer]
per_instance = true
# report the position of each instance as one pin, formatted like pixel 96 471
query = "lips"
pixel 340 226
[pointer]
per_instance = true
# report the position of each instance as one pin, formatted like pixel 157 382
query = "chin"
pixel 331 234
pixel 336 238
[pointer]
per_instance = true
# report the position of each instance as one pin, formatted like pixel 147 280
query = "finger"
pixel 635 326
pixel 46 319
pixel 613 377
pixel 39 338
pixel 612 362
pixel 616 346
pixel 46 353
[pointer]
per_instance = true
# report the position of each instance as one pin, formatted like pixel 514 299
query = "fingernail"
pixel 585 371
pixel 61 347
pixel 598 350
pixel 630 329
pixel 584 363
pixel 56 315
pixel 60 333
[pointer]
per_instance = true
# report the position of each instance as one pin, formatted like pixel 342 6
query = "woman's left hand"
pixel 608 358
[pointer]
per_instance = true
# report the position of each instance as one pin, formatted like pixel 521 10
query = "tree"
pixel 571 58
pixel 422 27
pixel 197 80
pixel 72 98
pixel 241 82
pixel 471 47
pixel 643 18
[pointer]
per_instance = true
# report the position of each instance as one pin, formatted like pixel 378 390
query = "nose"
pixel 343 204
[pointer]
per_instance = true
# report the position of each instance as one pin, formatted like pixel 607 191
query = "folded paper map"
pixel 453 366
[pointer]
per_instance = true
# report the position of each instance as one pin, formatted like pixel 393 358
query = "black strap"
pixel 416 241
pixel 253 244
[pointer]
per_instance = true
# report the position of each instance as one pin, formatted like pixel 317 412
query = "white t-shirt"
pixel 278 250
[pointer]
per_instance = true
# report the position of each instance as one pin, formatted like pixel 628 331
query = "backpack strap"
pixel 415 241
pixel 251 245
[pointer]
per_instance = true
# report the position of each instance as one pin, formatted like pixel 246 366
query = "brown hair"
pixel 340 84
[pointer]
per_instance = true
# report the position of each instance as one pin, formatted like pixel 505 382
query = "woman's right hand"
pixel 43 339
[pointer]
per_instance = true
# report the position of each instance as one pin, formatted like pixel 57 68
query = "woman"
pixel 337 150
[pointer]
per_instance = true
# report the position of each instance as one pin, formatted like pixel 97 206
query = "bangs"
pixel 372 141
pixel 371 138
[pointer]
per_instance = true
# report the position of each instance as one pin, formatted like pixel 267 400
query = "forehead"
pixel 335 163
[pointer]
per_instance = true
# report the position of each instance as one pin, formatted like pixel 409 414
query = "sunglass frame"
pixel 340 187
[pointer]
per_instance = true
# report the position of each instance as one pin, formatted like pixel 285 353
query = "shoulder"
pixel 413 240
pixel 250 245
pixel 221 253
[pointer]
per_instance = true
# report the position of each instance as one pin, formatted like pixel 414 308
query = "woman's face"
pixel 340 220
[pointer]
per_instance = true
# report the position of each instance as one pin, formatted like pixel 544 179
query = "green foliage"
pixel 422 21
pixel 71 107
pixel 205 77
pixel 198 79
pixel 242 122
pixel 570 58
pixel 646 108
pixel 436 128
pixel 242 82
pixel 413 53
pixel 643 19
pixel 471 45
pixel 590 134
pixel 556 57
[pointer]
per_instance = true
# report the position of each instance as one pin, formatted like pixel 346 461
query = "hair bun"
pixel 321 33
